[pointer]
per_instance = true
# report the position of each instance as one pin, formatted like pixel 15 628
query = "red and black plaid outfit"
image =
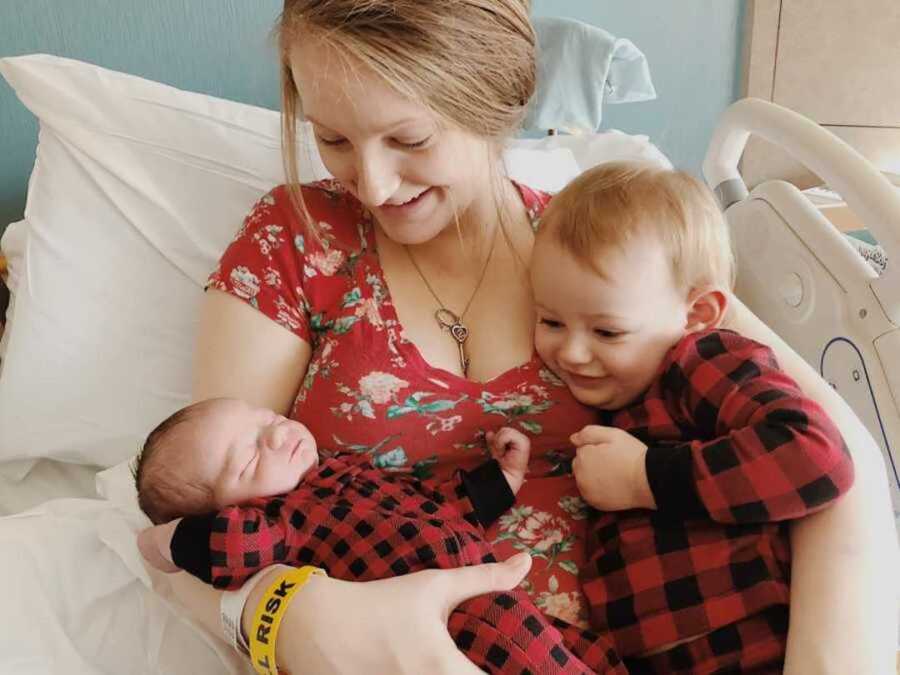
pixel 361 524
pixel 734 451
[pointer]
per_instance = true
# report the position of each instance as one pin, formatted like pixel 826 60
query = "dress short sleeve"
pixel 263 264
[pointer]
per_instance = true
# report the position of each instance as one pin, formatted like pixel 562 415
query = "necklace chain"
pixel 446 318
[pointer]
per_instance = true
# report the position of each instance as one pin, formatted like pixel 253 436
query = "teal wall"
pixel 219 47
pixel 693 47
pixel 222 47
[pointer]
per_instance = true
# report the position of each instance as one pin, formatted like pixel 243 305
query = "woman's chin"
pixel 414 227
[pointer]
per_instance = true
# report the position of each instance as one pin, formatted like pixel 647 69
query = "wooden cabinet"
pixel 835 62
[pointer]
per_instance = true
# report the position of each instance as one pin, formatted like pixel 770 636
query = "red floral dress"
pixel 368 389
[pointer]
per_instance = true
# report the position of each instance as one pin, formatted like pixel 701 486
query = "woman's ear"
pixel 706 309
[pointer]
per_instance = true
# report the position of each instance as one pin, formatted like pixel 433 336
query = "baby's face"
pixel 244 452
pixel 606 336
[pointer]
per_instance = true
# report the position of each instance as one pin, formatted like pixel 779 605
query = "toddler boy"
pixel 705 446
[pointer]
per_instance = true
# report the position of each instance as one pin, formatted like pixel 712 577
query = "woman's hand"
pixel 155 544
pixel 393 626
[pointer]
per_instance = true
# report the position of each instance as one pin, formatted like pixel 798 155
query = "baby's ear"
pixel 706 309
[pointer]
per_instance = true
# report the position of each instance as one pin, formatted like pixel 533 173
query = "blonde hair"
pixel 611 204
pixel 471 62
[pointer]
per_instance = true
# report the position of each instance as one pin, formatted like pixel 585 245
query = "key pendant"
pixel 458 331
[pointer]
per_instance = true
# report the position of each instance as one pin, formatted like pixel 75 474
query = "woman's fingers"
pixel 463 583
pixel 148 542
pixel 396 625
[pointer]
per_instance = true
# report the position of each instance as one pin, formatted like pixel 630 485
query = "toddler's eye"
pixel 550 323
pixel 609 334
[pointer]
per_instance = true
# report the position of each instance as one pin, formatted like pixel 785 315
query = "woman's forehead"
pixel 338 90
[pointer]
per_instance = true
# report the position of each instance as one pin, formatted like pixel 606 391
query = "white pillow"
pixel 137 188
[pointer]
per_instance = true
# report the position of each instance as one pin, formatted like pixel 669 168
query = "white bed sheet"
pixel 85 604
pixel 46 480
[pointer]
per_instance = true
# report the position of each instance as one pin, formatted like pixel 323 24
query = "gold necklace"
pixel 446 318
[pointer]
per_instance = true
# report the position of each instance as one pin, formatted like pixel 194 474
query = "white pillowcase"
pixel 137 189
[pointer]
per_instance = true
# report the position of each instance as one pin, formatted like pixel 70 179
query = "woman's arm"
pixel 403 630
pixel 844 569
pixel 241 353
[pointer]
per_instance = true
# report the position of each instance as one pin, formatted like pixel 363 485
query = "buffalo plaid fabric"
pixel 734 451
pixel 360 523
pixel 744 647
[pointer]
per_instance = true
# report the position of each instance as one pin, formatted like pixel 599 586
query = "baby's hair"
pixel 611 204
pixel 164 491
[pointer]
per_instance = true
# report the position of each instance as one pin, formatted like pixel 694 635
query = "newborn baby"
pixel 233 488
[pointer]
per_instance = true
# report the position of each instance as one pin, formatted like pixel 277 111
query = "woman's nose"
pixel 376 177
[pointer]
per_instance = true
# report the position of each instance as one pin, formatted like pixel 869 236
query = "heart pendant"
pixel 459 332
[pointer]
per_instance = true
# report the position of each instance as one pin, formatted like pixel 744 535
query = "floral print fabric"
pixel 368 389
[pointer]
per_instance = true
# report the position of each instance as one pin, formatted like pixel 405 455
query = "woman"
pixel 395 302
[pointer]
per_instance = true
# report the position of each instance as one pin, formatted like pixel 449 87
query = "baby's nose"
pixel 275 436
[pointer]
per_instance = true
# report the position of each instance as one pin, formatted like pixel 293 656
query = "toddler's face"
pixel 606 336
pixel 244 452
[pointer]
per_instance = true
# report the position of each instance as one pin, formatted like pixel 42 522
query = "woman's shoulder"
pixel 332 213
pixel 321 198
pixel 535 201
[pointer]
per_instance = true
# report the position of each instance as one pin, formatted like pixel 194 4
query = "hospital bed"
pixel 801 276
pixel 106 237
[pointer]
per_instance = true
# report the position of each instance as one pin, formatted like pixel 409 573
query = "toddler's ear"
pixel 706 309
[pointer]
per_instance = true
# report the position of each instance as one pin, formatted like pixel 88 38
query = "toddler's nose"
pixel 574 351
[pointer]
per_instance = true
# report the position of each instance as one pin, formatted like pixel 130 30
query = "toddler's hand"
pixel 155 544
pixel 511 448
pixel 609 469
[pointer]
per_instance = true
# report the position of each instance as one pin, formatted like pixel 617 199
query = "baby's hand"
pixel 155 544
pixel 511 448
pixel 609 469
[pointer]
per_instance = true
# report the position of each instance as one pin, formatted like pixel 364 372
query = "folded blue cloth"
pixel 580 67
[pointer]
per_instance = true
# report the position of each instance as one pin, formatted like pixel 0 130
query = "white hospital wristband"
pixel 231 607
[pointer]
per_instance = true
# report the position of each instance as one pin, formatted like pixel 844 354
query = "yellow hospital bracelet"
pixel 270 612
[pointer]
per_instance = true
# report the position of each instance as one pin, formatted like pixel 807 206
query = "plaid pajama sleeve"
pixel 358 521
pixel 775 454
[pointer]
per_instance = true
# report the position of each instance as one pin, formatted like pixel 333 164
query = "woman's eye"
pixel 330 141
pixel 414 144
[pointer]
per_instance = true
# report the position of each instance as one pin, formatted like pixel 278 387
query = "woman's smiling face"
pixel 408 167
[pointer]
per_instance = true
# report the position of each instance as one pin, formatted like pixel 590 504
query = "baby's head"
pixel 629 259
pixel 217 453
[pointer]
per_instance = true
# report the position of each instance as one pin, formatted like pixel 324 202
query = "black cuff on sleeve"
pixel 670 473
pixel 190 546
pixel 488 491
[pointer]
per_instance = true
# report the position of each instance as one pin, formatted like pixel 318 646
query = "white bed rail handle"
pixel 867 192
